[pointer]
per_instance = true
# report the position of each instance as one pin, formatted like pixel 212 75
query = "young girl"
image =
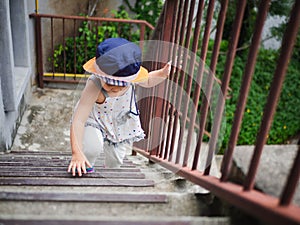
pixel 106 118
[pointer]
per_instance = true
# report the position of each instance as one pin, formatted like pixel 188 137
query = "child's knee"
pixel 114 155
pixel 92 143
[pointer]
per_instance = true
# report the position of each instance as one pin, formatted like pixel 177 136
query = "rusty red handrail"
pixel 100 19
pixel 62 76
pixel 243 196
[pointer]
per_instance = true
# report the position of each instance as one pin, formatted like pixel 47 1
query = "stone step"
pixel 99 204
pixel 37 184
pixel 136 220
pixel 83 197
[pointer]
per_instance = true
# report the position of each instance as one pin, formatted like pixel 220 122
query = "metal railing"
pixel 54 30
pixel 169 140
pixel 167 147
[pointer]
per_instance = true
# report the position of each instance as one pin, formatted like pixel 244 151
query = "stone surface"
pixel 45 127
pixel 274 167
pixel 45 123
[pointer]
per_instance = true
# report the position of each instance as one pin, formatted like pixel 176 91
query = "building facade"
pixel 17 65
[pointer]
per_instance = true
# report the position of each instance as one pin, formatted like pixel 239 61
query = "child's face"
pixel 113 88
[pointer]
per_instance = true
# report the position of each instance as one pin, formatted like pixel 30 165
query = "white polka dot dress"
pixel 117 117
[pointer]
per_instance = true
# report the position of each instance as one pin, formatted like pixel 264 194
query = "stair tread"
pixel 84 197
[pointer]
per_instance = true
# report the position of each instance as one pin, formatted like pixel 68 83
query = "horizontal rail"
pixel 176 140
pixel 100 19
pixel 58 50
pixel 260 204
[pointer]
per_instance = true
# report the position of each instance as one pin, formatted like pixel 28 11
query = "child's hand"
pixel 165 71
pixel 78 164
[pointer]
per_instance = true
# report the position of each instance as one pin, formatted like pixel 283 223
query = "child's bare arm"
pixel 157 76
pixel 81 113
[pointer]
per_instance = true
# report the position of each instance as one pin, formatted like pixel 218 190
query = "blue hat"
pixel 117 62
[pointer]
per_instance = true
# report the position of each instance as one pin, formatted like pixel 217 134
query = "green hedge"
pixel 287 118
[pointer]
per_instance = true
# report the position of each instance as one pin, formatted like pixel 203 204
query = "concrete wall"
pixel 16 67
pixel 18 54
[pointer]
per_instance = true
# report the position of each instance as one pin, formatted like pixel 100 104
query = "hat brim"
pixel 141 76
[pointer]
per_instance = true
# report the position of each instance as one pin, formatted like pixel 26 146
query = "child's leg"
pixel 114 155
pixel 92 143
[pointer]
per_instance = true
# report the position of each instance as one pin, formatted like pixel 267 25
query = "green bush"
pixel 89 36
pixel 287 118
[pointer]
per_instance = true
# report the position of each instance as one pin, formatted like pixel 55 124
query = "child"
pixel 106 118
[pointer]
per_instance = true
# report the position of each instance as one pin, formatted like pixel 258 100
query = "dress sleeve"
pixel 96 81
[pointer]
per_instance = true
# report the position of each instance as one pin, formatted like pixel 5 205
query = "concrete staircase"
pixel 35 188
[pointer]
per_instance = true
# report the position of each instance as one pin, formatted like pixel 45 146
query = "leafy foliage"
pixel 286 122
pixel 146 10
pixel 82 47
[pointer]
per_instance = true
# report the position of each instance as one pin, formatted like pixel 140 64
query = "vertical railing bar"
pixel 85 42
pixel 162 55
pixel 39 52
pixel 225 83
pixel 141 44
pixel 74 47
pixel 177 73
pixel 97 32
pixel 203 53
pixel 142 36
pixel 292 181
pixel 275 90
pixel 147 94
pixel 119 30
pixel 52 47
pixel 166 105
pixel 183 77
pixel 197 83
pixel 172 78
pixel 156 108
pixel 210 79
pixel 244 90
pixel 64 46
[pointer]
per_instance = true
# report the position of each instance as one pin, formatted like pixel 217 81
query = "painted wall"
pixel 17 68
pixel 18 54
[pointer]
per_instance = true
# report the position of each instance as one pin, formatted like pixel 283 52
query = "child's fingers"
pixel 167 68
pixel 88 164
pixel 70 167
pixel 74 170
pixel 84 168
pixel 79 171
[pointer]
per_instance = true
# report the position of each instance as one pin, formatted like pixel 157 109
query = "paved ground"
pixel 45 124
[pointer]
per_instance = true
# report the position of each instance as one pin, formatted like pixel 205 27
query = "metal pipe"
pixel 214 59
pixel 36 6
pixel 183 77
pixel 101 19
pixel 292 181
pixel 225 83
pixel 204 48
pixel 244 90
pixel 176 79
pixel 256 203
pixel 288 42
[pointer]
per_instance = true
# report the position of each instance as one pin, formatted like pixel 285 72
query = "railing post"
pixel 164 56
pixel 39 54
pixel 288 42
pixel 245 87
